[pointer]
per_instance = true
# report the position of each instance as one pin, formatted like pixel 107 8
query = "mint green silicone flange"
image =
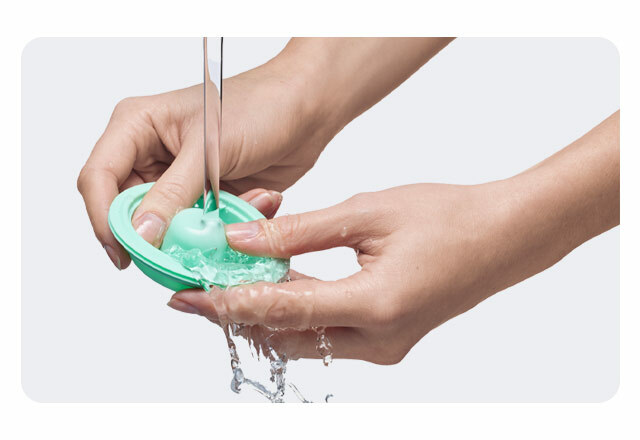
pixel 154 263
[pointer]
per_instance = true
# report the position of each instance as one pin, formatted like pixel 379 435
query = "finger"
pixel 269 177
pixel 265 201
pixel 299 304
pixel 345 224
pixel 107 168
pixel 133 180
pixel 339 342
pixel 98 190
pixel 295 344
pixel 251 194
pixel 179 187
pixel 295 275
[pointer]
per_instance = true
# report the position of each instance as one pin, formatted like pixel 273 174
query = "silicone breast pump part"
pixel 191 231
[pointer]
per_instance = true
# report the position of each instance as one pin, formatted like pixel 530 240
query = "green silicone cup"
pixel 154 263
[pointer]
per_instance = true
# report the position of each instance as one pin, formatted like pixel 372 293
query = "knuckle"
pixel 362 208
pixel 125 106
pixel 276 315
pixel 288 226
pixel 173 192
pixel 360 202
pixel 133 117
pixel 236 305
pixel 281 232
pixel 284 309
pixel 83 177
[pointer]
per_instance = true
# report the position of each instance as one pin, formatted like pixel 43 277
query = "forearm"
pixel 562 202
pixel 346 76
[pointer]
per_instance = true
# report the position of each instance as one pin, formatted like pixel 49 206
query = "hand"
pixel 269 140
pixel 428 252
pixel 277 120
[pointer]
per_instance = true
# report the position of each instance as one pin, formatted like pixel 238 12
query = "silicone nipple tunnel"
pixel 189 229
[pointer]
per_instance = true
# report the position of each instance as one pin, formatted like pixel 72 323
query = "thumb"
pixel 342 225
pixel 178 188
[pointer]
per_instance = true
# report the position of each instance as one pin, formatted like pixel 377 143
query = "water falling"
pixel 323 345
pixel 235 272
pixel 212 122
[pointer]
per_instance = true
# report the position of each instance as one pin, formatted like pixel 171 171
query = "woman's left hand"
pixel 428 252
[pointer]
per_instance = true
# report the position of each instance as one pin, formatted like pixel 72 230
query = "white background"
pixel 24 418
pixel 483 109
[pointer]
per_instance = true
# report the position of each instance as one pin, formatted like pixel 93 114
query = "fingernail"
pixel 150 227
pixel 266 202
pixel 113 256
pixel 242 231
pixel 182 306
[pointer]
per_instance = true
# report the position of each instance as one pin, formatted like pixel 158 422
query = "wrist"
pixel 306 66
pixel 540 219
pixel 299 73
pixel 516 233
pixel 539 216
pixel 346 76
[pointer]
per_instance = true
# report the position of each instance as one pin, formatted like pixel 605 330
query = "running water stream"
pixel 212 121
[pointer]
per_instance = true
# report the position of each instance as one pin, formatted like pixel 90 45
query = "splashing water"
pixel 277 362
pixel 232 269
pixel 298 394
pixel 236 268
pixel 323 345
pixel 278 368
pixel 260 339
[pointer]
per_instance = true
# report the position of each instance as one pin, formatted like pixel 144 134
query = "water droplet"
pixel 323 346
pixel 298 394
